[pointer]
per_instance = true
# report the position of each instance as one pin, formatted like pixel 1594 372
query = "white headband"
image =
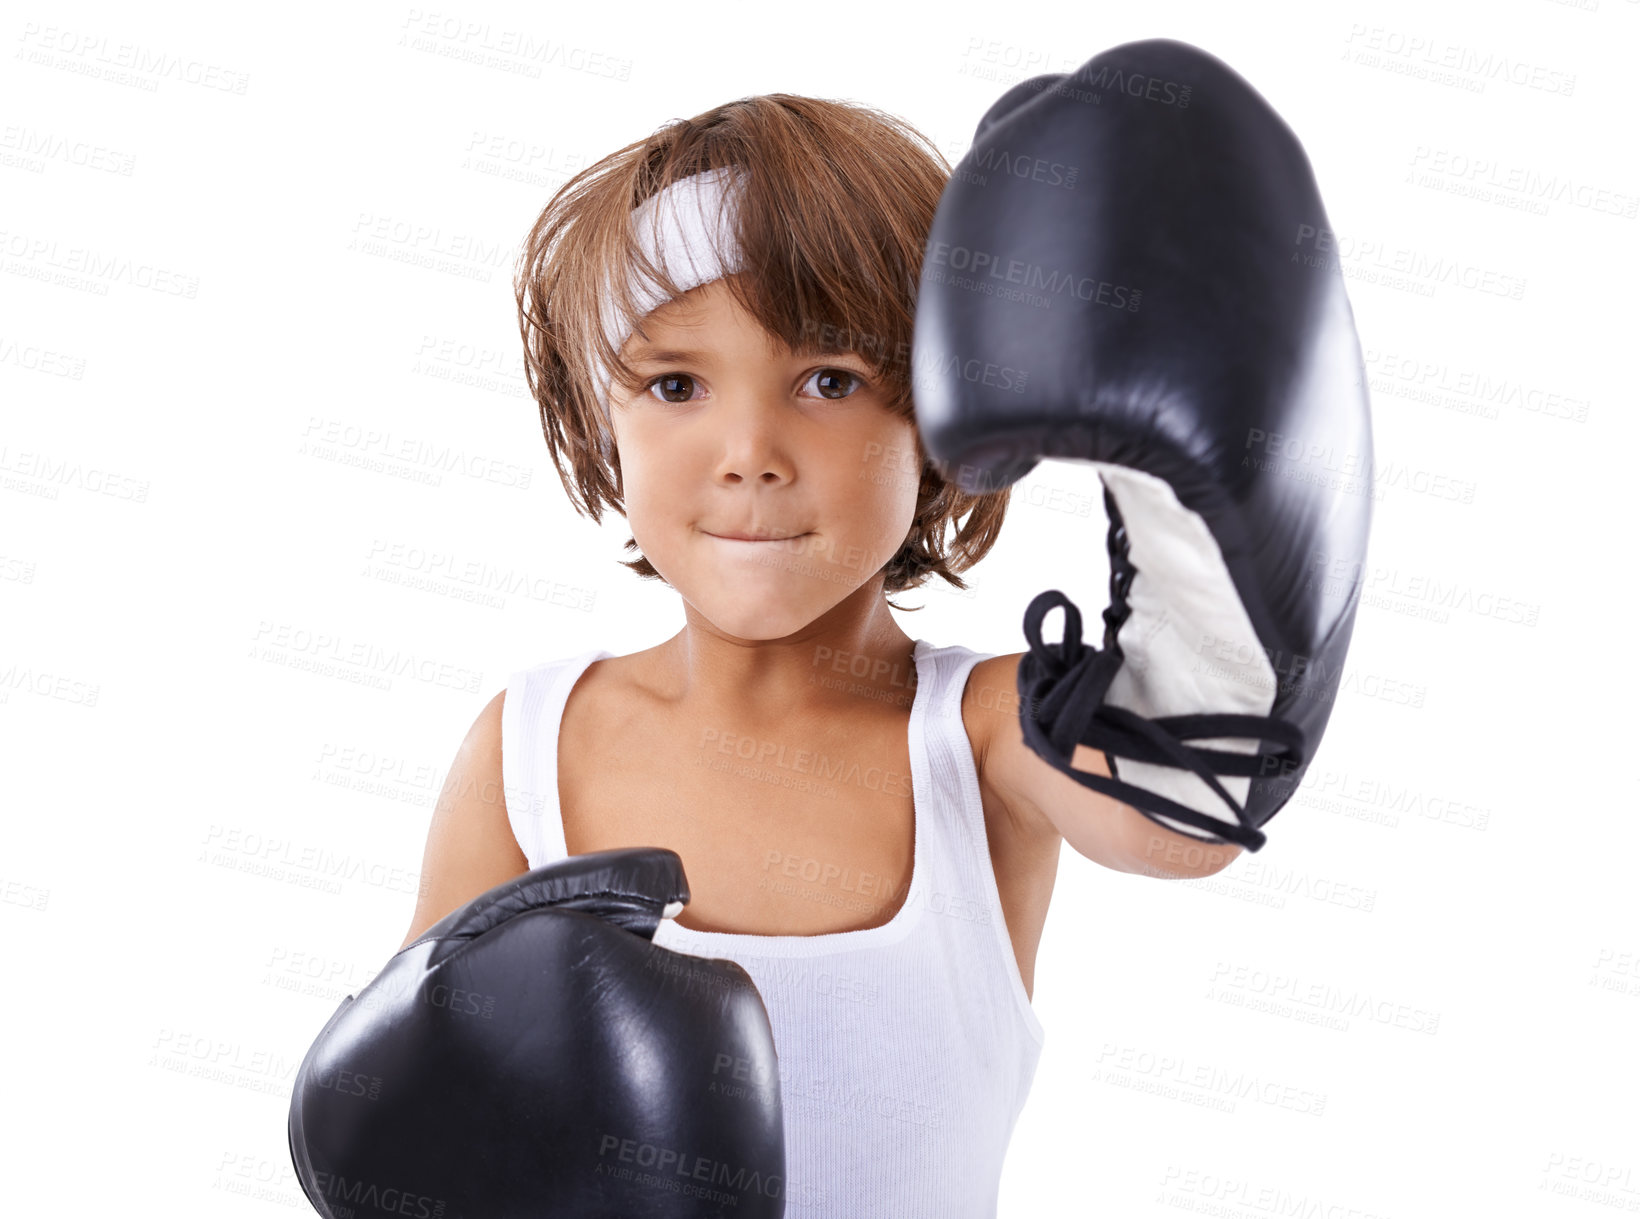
pixel 688 230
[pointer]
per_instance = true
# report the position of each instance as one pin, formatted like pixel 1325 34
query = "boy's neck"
pixel 829 668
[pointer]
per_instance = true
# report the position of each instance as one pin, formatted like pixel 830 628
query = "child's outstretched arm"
pixel 1039 800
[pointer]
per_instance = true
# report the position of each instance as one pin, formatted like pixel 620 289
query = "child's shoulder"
pixel 538 674
pixel 990 702
pixel 592 682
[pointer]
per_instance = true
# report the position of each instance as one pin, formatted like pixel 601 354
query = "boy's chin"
pixel 758 614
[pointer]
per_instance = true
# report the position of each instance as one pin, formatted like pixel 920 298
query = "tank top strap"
pixel 530 716
pixel 962 885
pixel 942 738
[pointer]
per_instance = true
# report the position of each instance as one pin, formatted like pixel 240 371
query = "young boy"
pixel 862 825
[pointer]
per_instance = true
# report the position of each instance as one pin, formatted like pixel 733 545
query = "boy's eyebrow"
pixel 671 356
pixel 674 355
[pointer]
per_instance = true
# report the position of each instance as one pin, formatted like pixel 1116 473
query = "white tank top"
pixel 906 1051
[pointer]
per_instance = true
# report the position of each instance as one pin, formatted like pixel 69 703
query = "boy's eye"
pixel 832 374
pixel 678 387
pixel 669 383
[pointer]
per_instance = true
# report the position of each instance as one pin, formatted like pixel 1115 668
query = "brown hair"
pixel 835 208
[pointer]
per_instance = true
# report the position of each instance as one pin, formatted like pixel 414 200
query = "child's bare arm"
pixel 470 845
pixel 1097 826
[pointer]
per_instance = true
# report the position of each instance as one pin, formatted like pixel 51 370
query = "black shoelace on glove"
pixel 1063 688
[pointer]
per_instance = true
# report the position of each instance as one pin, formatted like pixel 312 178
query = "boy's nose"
pixel 754 443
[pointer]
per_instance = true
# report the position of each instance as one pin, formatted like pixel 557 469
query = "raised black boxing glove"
pixel 534 1054
pixel 1130 267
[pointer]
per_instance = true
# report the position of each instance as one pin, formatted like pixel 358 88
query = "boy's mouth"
pixel 739 536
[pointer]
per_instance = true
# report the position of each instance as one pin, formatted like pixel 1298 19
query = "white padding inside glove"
pixel 1188 645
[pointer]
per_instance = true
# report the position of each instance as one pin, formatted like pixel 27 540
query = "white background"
pixel 1420 999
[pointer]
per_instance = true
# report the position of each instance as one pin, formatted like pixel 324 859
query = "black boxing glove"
pixel 534 1054
pixel 1128 268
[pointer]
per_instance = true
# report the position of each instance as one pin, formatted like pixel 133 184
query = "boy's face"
pixel 746 437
